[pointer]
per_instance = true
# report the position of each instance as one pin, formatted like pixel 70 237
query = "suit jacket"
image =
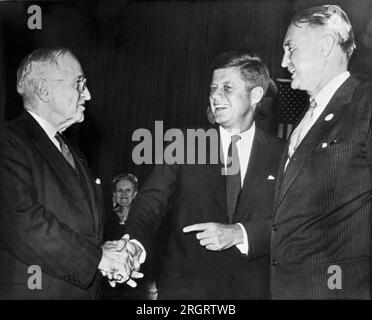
pixel 50 217
pixel 195 193
pixel 322 212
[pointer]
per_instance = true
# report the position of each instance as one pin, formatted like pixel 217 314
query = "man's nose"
pixel 285 60
pixel 217 94
pixel 86 94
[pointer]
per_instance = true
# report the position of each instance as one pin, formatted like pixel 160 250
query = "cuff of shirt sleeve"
pixel 243 247
pixel 143 254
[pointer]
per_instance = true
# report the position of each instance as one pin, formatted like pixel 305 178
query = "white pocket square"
pixel 270 177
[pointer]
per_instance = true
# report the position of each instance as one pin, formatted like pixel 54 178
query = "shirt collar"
pixel 326 93
pixel 226 135
pixel 47 127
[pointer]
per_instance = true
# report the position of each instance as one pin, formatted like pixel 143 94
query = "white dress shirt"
pixel 322 99
pixel 244 146
pixel 245 143
pixel 327 92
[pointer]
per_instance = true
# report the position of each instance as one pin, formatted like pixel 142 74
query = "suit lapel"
pixel 280 176
pixel 55 159
pixel 319 130
pixel 253 173
pixel 88 181
pixel 218 180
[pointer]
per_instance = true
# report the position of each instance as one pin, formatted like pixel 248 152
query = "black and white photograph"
pixel 197 151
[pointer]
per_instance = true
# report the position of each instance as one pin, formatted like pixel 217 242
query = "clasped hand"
pixel 121 261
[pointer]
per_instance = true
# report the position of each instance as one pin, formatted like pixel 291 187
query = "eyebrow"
pixel 80 77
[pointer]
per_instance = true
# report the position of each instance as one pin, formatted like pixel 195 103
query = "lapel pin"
pixel 98 181
pixel 324 145
pixel 270 177
pixel 329 117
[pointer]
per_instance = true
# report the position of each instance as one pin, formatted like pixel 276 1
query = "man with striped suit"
pixel 321 232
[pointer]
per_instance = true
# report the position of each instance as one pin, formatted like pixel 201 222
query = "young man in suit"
pixel 321 238
pixel 220 222
pixel 51 208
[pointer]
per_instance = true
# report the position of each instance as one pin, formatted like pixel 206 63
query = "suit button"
pixel 231 278
pixel 275 227
pixel 274 262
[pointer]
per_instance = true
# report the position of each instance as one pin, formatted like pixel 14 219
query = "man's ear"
pixel 42 90
pixel 327 43
pixel 256 95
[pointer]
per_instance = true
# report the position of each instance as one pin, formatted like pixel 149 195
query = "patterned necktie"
pixel 302 129
pixel 65 150
pixel 233 178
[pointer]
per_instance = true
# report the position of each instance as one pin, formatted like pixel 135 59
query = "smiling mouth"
pixel 292 71
pixel 219 108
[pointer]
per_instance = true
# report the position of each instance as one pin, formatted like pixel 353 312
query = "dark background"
pixel 149 60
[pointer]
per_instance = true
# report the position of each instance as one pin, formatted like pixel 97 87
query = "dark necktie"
pixel 65 150
pixel 233 178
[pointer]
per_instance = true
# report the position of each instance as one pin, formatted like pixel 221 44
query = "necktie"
pixel 65 150
pixel 302 129
pixel 233 178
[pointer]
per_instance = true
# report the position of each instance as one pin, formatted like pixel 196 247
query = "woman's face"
pixel 125 193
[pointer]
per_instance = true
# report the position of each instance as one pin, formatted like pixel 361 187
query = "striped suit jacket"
pixel 321 235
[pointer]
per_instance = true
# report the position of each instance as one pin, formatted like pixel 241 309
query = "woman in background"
pixel 125 188
pixel 124 191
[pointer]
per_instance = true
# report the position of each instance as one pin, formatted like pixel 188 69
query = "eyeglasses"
pixel 81 84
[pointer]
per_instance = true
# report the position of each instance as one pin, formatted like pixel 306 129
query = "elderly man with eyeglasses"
pixel 51 208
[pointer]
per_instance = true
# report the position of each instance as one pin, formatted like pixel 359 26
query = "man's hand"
pixel 134 249
pixel 216 236
pixel 124 246
pixel 117 265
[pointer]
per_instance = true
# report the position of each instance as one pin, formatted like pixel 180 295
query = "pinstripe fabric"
pixel 233 181
pixel 323 204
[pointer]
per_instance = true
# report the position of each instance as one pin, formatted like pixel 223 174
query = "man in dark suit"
pixel 51 207
pixel 220 221
pixel 321 238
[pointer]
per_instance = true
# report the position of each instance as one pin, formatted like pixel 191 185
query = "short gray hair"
pixel 35 66
pixel 335 19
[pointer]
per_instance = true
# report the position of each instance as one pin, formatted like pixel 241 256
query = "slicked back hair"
pixel 253 71
pixel 334 19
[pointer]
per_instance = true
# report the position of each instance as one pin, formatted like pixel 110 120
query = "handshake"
pixel 121 261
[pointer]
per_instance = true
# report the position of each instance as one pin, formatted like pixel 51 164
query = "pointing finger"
pixel 196 227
